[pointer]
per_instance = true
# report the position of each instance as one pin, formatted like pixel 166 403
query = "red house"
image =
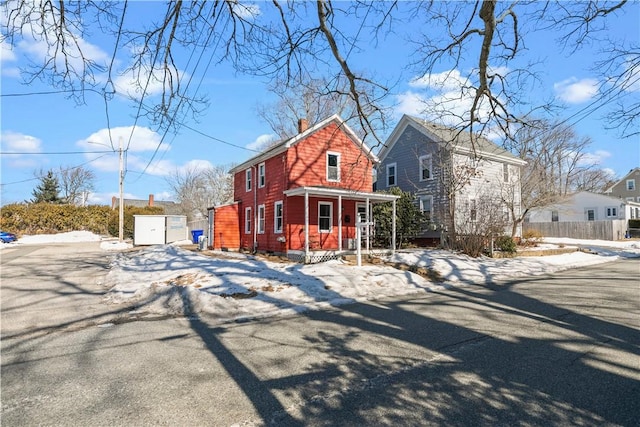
pixel 301 197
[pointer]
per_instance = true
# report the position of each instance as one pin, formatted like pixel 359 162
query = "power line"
pixel 53 152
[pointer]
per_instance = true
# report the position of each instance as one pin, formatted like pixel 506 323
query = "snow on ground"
pixel 107 244
pixel 169 280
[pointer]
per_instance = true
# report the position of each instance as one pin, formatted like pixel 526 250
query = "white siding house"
pixel 587 206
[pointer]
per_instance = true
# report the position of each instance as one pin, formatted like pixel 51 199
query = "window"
pixel 324 217
pixel 505 172
pixel 590 214
pixel 638 199
pixel 261 219
pixel 391 175
pixel 612 212
pixel 426 205
pixel 473 213
pixel 248 180
pixel 247 221
pixel 631 184
pixel 425 167
pixel 261 179
pixel 554 216
pixel 630 199
pixel 333 167
pixel 277 217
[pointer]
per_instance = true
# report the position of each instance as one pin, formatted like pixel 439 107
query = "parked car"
pixel 6 237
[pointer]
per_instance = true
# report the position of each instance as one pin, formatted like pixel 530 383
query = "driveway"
pixel 53 287
pixel 556 350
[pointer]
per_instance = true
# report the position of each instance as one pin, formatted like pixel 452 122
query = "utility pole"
pixel 121 204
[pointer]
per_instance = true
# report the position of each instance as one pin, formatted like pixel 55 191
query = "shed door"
pixel 149 230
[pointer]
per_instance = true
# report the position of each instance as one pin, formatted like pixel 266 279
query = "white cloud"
pixel 262 142
pixel 133 82
pixel 20 143
pixel 595 158
pixel 445 81
pixel 6 52
pixel 246 11
pixel 574 91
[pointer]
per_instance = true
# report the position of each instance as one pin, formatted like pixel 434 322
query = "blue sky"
pixel 49 131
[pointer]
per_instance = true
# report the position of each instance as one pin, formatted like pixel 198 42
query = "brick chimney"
pixel 303 124
pixel 150 200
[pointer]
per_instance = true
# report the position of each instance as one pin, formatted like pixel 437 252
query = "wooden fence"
pixel 592 230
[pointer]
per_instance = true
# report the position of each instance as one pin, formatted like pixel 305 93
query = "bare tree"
pixel 75 184
pixel 303 42
pixel 558 164
pixel 197 189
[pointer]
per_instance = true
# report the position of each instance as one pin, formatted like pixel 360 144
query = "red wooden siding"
pixel 304 164
pixel 307 161
pixel 226 228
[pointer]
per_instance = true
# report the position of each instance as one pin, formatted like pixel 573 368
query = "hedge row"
pixel 45 218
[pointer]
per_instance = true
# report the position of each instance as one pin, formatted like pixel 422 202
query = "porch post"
pixel 340 223
pixel 306 226
pixel 393 229
pixel 368 214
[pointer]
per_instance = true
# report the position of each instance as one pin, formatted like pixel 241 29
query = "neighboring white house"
pixel 450 174
pixel 587 206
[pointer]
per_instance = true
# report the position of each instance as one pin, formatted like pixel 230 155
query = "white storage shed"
pixel 159 229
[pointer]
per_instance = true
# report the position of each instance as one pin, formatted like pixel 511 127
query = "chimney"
pixel 150 200
pixel 113 202
pixel 303 124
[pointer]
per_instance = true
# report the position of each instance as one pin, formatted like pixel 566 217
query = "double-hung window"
pixel 260 219
pixel 631 184
pixel 554 216
pixel 426 206
pixel 612 212
pixel 261 178
pixel 325 218
pixel 590 214
pixel 391 174
pixel 426 164
pixel 248 179
pixel 277 217
pixel 247 220
pixel 333 166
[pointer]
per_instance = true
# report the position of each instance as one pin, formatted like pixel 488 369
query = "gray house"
pixel 628 188
pixel 457 181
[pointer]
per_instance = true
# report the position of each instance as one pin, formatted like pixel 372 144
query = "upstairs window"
pixel 391 175
pixel 426 167
pixel 631 184
pixel 333 167
pixel 261 179
pixel 248 179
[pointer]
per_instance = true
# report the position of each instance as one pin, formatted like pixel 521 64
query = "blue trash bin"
pixel 195 234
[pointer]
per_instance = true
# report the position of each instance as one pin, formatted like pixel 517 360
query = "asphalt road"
pixel 560 350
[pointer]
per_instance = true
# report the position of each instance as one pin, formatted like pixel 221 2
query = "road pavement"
pixel 556 350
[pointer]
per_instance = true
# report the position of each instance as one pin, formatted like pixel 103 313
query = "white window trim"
pixel 332 153
pixel 261 219
pixel 633 182
pixel 247 220
pixel 630 199
pixel 275 217
pixel 595 213
pixel 261 175
pixel 611 209
pixel 330 204
pixel 430 167
pixel 421 198
pixel 248 181
pixel 395 174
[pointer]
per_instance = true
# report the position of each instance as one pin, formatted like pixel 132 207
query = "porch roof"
pixel 346 194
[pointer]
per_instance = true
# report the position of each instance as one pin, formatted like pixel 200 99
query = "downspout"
pixel 255 207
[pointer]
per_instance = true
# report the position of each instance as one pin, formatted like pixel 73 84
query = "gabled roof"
pixel 284 145
pixel 623 179
pixel 461 141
